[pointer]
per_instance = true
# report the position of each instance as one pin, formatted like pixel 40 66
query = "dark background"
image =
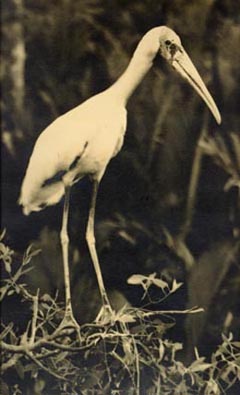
pixel 57 54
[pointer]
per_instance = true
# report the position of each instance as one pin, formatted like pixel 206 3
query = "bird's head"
pixel 171 49
pixel 169 43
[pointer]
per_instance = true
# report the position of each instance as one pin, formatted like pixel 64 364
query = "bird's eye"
pixel 167 42
pixel 173 49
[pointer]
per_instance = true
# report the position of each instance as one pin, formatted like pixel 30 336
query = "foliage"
pixel 176 179
pixel 128 352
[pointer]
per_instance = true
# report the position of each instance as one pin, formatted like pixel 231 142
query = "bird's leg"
pixel 68 317
pixel 92 248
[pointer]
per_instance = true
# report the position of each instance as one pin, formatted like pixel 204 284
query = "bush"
pixel 127 353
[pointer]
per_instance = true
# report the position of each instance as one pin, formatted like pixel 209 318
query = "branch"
pixel 11 362
pixel 48 370
pixel 34 319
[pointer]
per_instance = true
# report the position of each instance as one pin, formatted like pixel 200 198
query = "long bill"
pixel 184 66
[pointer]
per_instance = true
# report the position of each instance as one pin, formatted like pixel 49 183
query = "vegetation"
pixel 167 210
pixel 129 353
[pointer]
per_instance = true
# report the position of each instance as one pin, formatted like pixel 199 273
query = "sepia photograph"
pixel 120 197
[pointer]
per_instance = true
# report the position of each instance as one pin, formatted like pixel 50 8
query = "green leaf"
pixel 29 254
pixel 181 388
pixel 61 356
pixel 35 252
pixel 129 356
pixel 2 234
pixel 161 351
pixel 39 386
pixel 199 367
pixel 229 375
pixel 236 344
pixel 136 279
pixel 177 346
pixel 175 285
pixel 125 318
pixel 160 283
pixel 13 338
pixel 47 298
pixel 8 263
pixel 212 388
pixel 20 369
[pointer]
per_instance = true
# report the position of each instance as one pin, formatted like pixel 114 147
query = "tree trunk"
pixel 13 71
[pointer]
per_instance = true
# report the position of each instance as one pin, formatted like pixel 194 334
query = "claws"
pixel 105 315
pixel 69 323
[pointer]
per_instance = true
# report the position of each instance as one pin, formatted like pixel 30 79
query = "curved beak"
pixel 184 66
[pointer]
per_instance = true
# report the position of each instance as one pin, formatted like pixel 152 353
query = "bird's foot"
pixel 105 315
pixel 68 323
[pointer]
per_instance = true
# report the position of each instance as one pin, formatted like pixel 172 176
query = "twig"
pixel 193 310
pixel 48 370
pixel 158 384
pixel 106 362
pixel 48 354
pixel 7 329
pixel 43 342
pixel 137 365
pixel 70 348
pixel 34 319
pixel 13 281
pixel 11 362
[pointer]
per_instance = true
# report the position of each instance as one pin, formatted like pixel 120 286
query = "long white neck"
pixel 139 65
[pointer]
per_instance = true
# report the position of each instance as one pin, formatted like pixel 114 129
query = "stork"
pixel 82 141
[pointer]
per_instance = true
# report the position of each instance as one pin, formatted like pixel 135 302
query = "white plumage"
pixel 82 141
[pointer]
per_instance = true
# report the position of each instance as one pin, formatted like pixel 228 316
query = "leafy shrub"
pixel 128 352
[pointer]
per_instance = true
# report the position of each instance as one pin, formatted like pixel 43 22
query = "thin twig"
pixel 11 362
pixel 7 329
pixel 38 363
pixel 137 365
pixel 34 318
pixel 13 281
pixel 193 310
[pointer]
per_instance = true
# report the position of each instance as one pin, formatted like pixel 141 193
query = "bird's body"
pixel 82 141
pixel 79 143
